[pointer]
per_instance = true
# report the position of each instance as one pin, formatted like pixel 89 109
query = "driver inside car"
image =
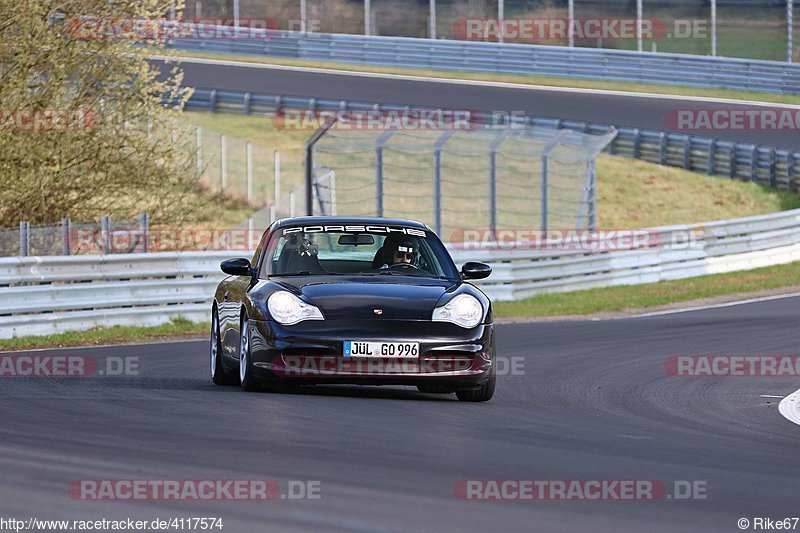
pixel 403 252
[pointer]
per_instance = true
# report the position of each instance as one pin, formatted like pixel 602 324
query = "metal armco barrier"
pixel 43 295
pixel 761 164
pixel 584 63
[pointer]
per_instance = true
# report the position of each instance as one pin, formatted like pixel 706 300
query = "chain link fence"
pixel 486 177
pixel 754 29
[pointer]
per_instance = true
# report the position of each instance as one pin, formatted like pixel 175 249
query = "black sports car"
pixel 353 300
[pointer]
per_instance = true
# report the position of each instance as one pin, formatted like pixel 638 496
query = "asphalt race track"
pixel 593 402
pixel 622 110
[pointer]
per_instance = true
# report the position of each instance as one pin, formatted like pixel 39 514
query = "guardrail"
pixel 505 58
pixel 768 166
pixel 42 295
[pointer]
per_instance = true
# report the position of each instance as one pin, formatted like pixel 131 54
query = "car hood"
pixel 357 298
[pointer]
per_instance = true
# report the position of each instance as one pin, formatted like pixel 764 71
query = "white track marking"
pixel 790 407
pixel 716 306
pixel 770 396
pixel 481 83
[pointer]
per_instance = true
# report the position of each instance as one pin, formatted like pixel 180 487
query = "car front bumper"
pixel 450 357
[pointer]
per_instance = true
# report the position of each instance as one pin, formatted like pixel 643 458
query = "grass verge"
pixel 549 81
pixel 176 328
pixel 650 295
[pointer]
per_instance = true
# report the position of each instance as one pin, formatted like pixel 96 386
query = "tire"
pixel 483 394
pixel 246 377
pixel 218 373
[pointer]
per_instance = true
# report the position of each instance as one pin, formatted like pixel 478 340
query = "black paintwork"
pixel 348 305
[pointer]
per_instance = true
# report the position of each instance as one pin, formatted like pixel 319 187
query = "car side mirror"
pixel 239 266
pixel 474 270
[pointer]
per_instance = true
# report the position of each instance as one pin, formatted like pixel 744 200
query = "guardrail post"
pixel 732 161
pixel 65 230
pixel 24 238
pixel 278 103
pixel 637 142
pixel 662 149
pixel 493 195
pixel 773 168
pixel 212 101
pixel 754 164
pixel 790 168
pixel 246 103
pixel 592 196
pixel 712 157
pixel 687 152
pixel 105 233
pixel 144 230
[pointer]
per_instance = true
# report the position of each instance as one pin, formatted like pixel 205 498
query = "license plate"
pixel 380 349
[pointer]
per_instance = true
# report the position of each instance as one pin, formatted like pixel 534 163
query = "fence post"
pixel 437 179
pixel 790 31
pixel 291 204
pixel 732 159
pixel 493 195
pixel 277 158
pixel 65 236
pixel 199 139
pixel 544 194
pixel 249 174
pixel 379 171
pixel 212 101
pixel 662 148
pixel 24 238
pixel 144 229
pixel 105 233
pixel 592 196
pixel 754 164
pixel 223 161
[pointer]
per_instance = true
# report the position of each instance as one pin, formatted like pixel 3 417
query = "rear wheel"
pixel 483 394
pixel 218 374
pixel 246 377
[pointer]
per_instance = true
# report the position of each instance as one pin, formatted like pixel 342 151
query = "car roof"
pixel 349 221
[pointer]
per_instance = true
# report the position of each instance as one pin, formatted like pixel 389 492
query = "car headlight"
pixel 464 310
pixel 287 308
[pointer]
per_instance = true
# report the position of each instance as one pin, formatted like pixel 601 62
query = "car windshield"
pixel 356 250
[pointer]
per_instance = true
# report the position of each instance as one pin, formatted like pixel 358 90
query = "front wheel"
pixel 485 393
pixel 246 377
pixel 218 373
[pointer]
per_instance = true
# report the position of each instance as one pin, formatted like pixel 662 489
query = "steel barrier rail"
pixel 768 166
pixel 43 295
pixel 509 58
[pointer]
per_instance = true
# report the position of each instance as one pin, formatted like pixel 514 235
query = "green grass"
pixel 551 81
pixel 177 328
pixel 652 294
